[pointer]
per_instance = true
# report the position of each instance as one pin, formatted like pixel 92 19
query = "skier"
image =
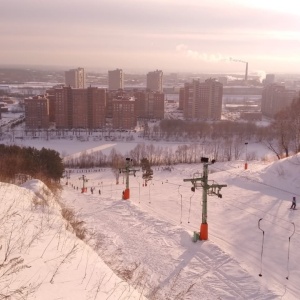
pixel 293 203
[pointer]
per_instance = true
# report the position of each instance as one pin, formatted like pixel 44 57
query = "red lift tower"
pixel 84 180
pixel 128 170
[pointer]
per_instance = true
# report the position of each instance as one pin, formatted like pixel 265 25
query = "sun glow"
pixel 287 6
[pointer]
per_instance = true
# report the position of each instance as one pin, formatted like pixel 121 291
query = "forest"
pixel 44 164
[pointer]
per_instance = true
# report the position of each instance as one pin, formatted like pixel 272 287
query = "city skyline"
pixel 170 35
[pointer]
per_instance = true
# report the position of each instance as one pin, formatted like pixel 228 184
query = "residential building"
pixel 202 100
pixel 223 80
pixel 124 115
pixel 110 96
pixel 276 97
pixel 36 112
pixel 149 105
pixel 50 94
pixel 270 79
pixel 190 95
pixel 75 78
pixel 115 79
pixel 80 108
pixel 181 98
pixel 155 81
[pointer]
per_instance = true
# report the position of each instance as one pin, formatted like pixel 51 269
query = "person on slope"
pixel 293 203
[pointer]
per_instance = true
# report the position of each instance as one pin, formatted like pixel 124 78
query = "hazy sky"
pixel 172 35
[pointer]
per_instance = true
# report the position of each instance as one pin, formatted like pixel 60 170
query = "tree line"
pixel 181 130
pixel 286 130
pixel 44 164
pixel 158 155
pixel 281 136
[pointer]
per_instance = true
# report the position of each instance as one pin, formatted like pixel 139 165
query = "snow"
pixel 144 246
pixel 73 148
pixel 41 259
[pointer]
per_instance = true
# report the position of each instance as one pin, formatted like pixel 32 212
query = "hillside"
pixel 41 257
pixel 152 232
pixel 144 247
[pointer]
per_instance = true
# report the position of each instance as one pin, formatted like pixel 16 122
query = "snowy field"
pixel 73 148
pixel 148 240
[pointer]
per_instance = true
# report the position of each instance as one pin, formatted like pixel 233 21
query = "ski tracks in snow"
pixel 161 257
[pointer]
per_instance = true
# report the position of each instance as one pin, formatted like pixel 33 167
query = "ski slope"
pixel 151 234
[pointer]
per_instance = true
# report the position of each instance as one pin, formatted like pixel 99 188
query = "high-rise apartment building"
pixel 75 78
pixel 70 108
pixel 124 115
pixel 115 79
pixel 110 96
pixel 51 97
pixel 155 81
pixel 276 97
pixel 202 100
pixel 181 98
pixel 36 112
pixel 270 79
pixel 80 108
pixel 149 105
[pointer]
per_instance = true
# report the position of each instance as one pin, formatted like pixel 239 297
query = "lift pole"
pixel 67 172
pixel 84 179
pixel 211 189
pixel 203 235
pixel 128 171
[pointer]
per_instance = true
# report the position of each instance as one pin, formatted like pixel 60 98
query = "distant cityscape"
pixel 75 99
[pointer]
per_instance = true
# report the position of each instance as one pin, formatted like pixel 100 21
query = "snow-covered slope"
pixel 147 241
pixel 41 259
pixel 152 232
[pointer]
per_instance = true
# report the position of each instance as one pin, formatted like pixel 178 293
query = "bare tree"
pixel 117 161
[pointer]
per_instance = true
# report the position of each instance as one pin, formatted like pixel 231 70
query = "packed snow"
pixel 145 247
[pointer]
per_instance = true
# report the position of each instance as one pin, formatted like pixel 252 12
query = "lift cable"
pixel 190 207
pixel 288 270
pixel 262 247
pixel 180 204
pixel 255 181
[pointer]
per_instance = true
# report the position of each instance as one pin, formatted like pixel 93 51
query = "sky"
pixel 149 238
pixel 144 35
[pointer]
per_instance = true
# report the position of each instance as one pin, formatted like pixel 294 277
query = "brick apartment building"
pixel 155 81
pixel 80 108
pixel 275 97
pixel 124 114
pixel 115 79
pixel 75 78
pixel 202 100
pixel 110 96
pixel 149 105
pixel 37 112
pixel 51 97
pixel 181 98
pixel 88 108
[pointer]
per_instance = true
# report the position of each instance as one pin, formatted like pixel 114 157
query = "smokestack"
pixel 246 73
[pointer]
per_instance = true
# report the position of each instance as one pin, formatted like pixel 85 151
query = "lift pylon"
pixel 84 180
pixel 128 170
pixel 207 189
